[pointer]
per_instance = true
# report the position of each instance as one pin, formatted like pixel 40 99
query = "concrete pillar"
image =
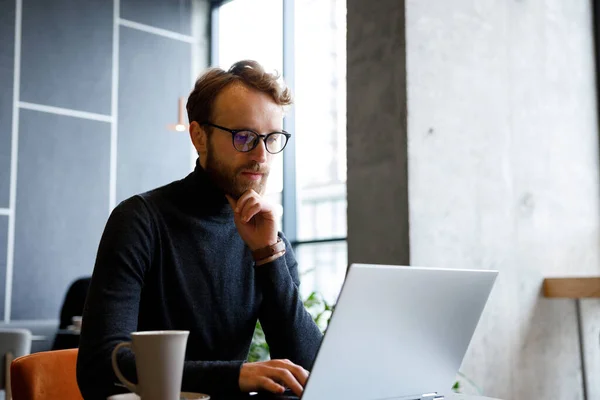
pixel 377 131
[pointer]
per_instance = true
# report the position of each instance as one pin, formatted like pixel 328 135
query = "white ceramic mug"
pixel 159 358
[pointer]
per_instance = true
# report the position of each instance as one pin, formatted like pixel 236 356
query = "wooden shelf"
pixel 572 288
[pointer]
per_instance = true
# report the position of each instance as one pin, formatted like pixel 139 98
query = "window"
pixel 320 131
pixel 323 268
pixel 308 38
pixel 258 38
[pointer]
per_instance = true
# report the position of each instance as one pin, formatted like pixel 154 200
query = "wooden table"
pixel 576 289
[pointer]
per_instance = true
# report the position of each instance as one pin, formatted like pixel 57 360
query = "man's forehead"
pixel 239 100
pixel 236 91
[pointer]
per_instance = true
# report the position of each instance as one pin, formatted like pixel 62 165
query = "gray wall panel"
pixel 173 15
pixel 7 45
pixel 67 54
pixel 64 162
pixel 150 84
pixel 3 240
pixel 62 198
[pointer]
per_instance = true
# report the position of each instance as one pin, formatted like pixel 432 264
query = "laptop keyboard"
pixel 287 395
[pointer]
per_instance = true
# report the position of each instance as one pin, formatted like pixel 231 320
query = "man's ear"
pixel 199 138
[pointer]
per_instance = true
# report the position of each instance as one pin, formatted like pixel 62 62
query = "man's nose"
pixel 259 153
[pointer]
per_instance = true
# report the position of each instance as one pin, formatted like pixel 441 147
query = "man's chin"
pixel 258 187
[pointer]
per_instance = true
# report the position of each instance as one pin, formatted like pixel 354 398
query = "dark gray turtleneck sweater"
pixel 171 258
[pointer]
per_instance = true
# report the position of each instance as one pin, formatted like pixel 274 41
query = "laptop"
pixel 398 333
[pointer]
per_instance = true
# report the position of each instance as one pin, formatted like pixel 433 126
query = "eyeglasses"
pixel 245 140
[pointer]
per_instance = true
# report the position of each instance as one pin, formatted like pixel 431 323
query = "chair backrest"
pixel 14 343
pixel 74 301
pixel 42 331
pixel 45 376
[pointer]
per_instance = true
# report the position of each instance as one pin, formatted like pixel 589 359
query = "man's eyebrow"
pixel 258 131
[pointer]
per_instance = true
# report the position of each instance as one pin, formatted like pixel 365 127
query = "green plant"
pixel 470 385
pixel 320 311
pixel 456 387
pixel 259 349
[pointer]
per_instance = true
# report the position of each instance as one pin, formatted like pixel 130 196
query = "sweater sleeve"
pixel 289 329
pixel 111 312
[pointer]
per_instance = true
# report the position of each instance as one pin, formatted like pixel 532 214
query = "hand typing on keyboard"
pixel 273 376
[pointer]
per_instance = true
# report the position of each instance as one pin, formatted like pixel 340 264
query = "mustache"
pixel 255 167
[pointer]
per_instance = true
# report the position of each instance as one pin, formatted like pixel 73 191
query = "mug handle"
pixel 115 366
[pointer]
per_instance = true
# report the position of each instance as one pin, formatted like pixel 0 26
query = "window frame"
pixel 289 195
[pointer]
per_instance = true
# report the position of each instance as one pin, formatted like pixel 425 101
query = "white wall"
pixel 504 174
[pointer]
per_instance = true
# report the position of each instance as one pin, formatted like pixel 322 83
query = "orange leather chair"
pixel 47 375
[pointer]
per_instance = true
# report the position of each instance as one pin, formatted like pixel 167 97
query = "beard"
pixel 228 178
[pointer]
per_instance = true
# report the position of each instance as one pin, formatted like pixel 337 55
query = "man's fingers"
pixel 247 208
pixel 274 376
pixel 250 202
pixel 250 211
pixel 285 377
pixel 270 385
pixel 263 206
pixel 254 206
pixel 249 194
pixel 300 373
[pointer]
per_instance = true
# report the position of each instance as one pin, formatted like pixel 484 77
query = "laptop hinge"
pixel 431 396
pixel 426 396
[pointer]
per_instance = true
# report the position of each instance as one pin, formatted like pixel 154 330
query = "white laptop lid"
pixel 398 332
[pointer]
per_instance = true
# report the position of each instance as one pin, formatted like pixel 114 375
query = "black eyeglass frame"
pixel 259 136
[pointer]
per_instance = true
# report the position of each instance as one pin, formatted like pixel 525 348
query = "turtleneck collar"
pixel 207 197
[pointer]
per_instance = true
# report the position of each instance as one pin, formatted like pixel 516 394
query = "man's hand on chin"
pixel 255 220
pixel 273 376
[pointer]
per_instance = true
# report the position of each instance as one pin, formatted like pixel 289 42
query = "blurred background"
pixel 454 134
